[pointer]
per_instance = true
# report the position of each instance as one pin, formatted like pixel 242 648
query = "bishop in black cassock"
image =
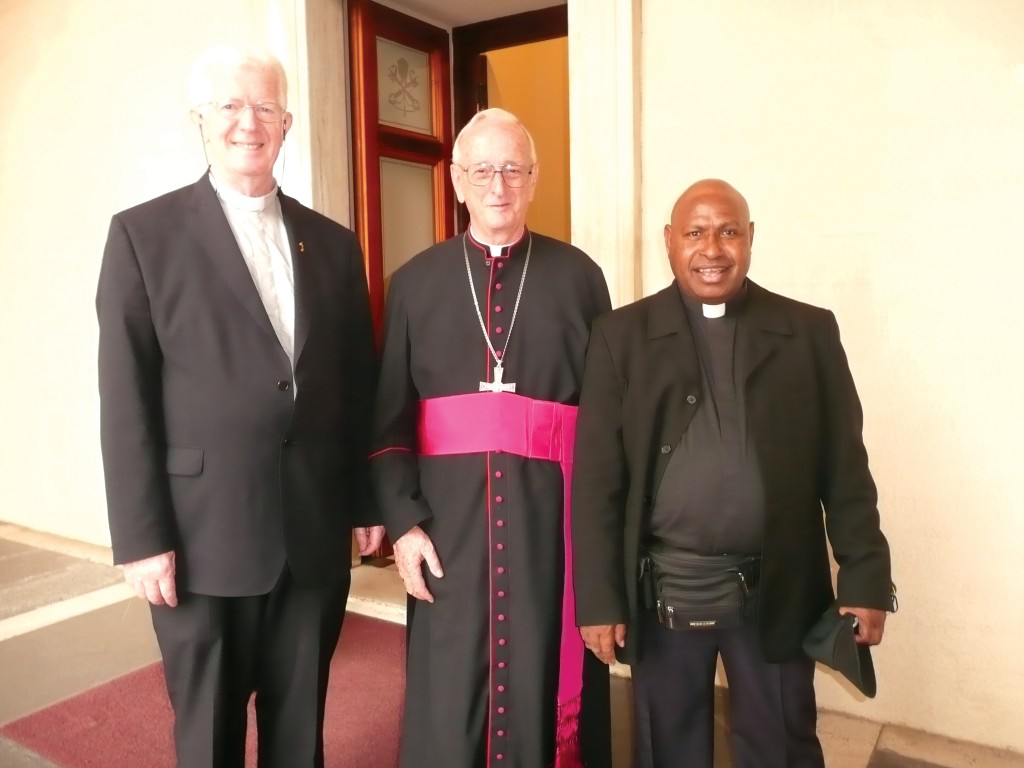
pixel 484 646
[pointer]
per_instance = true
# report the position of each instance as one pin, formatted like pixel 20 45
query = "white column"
pixel 604 130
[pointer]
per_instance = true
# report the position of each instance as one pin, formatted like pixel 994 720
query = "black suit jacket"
pixel 208 449
pixel 641 387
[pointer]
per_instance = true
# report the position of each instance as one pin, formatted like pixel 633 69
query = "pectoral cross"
pixel 497 385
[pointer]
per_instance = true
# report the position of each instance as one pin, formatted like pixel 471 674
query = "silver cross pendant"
pixel 497 385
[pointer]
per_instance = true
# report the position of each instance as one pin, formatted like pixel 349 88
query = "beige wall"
pixel 880 147
pixel 531 81
pixel 95 120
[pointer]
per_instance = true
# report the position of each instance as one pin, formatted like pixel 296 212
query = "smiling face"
pixel 497 213
pixel 242 150
pixel 709 241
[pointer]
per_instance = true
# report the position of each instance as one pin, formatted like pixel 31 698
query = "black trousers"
pixel 773 714
pixel 218 651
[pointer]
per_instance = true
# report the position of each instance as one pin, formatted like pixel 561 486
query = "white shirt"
pixel 261 236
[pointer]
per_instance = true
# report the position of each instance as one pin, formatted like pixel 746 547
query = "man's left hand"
pixel 368 539
pixel 870 624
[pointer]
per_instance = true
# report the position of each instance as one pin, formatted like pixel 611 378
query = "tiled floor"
pixel 68 623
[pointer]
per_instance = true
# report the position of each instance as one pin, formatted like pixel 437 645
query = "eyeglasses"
pixel 264 111
pixel 480 175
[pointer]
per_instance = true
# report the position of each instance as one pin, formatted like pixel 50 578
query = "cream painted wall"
pixel 532 81
pixel 95 121
pixel 879 145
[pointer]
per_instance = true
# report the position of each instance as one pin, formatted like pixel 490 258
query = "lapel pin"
pixel 302 248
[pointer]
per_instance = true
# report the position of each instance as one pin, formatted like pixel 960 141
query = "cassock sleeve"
pixel 599 487
pixel 394 464
pixel 131 411
pixel 848 492
pixel 599 291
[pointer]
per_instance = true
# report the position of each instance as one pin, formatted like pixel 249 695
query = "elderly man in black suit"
pixel 719 438
pixel 237 374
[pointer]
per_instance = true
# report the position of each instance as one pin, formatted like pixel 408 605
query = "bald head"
pixel 714 189
pixel 708 241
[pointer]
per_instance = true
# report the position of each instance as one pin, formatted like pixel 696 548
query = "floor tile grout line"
pixel 47 615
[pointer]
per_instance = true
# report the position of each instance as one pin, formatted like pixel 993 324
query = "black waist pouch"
pixel 692 591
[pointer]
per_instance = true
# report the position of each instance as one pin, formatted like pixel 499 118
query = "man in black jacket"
pixel 717 421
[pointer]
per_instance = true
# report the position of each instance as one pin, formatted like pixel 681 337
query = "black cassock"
pixel 482 663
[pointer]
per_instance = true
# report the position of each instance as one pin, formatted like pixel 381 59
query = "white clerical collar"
pixel 243 202
pixel 713 310
pixel 496 251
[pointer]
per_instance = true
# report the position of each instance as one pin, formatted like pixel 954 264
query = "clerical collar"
pixel 497 251
pixel 712 311
pixel 243 202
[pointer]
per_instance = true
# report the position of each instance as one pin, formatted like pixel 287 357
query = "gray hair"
pixel 221 57
pixel 497 116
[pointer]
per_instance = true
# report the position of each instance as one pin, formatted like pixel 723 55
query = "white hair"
pixel 497 116
pixel 226 57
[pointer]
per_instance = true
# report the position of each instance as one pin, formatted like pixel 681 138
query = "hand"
pixel 153 579
pixel 870 624
pixel 602 639
pixel 368 539
pixel 411 551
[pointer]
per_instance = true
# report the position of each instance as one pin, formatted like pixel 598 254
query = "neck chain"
pixel 497 385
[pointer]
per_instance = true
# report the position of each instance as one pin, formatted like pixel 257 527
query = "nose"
pixel 713 246
pixel 248 117
pixel 497 178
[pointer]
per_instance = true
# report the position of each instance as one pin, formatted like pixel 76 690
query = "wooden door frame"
pixel 372 140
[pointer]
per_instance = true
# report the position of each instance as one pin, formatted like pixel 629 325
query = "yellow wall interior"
pixel 531 81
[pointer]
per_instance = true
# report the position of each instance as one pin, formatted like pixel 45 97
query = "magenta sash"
pixel 535 429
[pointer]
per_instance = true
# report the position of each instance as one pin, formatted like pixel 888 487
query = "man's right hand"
pixel 153 579
pixel 601 639
pixel 412 550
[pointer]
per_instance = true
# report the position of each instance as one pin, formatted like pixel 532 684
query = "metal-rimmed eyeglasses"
pixel 513 175
pixel 264 111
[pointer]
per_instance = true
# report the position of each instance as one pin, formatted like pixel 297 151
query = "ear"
pixel 286 122
pixel 196 116
pixel 751 233
pixel 668 238
pixel 457 182
pixel 534 177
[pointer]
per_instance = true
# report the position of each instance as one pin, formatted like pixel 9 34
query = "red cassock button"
pixel 501 593
pixel 498 308
pixel 501 733
pixel 498 329
pixel 500 756
pixel 499 499
pixel 500 547
pixel 498 474
pixel 501 617
pixel 501 570
pixel 501 710
pixel 501 665
pixel 501 523
pixel 497 286
pixel 502 641
pixel 501 689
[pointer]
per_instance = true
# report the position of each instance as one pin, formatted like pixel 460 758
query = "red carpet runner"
pixel 127 722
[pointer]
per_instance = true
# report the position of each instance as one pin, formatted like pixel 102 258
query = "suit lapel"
pixel 218 241
pixel 302 269
pixel 764 331
pixel 675 373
